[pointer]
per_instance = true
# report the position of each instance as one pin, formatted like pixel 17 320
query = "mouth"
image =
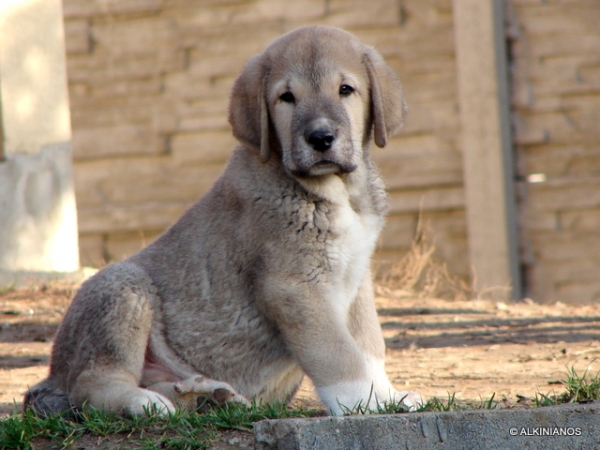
pixel 324 168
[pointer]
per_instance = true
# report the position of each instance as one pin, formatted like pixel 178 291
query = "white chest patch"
pixel 350 255
pixel 349 252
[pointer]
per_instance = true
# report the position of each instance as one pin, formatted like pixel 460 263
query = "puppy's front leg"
pixel 323 346
pixel 364 326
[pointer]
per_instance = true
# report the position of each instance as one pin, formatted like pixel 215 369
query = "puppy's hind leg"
pixel 116 390
pixel 46 398
pixel 103 340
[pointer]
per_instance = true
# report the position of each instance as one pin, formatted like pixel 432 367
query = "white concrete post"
pixel 38 220
pixel 487 145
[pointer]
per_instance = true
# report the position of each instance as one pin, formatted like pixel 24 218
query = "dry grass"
pixel 420 274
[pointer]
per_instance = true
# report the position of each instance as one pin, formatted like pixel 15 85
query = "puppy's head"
pixel 316 96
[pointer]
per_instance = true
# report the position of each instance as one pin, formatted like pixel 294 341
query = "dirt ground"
pixel 471 348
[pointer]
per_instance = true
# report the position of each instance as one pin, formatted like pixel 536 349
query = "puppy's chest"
pixel 352 239
pixel 342 241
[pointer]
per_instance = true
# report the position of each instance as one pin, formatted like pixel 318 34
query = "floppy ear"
pixel 248 112
pixel 388 108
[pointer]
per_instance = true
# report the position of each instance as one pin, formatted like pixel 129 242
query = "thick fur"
pixel 267 277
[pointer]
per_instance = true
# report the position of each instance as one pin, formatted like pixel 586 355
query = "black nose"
pixel 320 140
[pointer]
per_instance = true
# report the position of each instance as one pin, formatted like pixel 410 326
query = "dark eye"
pixel 287 97
pixel 346 90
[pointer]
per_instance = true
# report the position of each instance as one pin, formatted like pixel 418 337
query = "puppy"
pixel 267 277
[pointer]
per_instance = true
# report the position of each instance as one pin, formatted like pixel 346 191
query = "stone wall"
pixel 556 101
pixel 149 83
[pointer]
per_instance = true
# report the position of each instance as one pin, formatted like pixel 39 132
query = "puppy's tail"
pixel 45 398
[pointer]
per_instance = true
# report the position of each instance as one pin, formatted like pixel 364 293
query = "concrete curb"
pixel 567 426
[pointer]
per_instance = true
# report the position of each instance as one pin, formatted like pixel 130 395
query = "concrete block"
pixel 448 232
pixel 194 87
pixel 38 225
pixel 202 65
pixel 428 170
pixel 209 147
pixel 559 125
pixel 228 41
pixel 578 292
pixel 432 86
pixel 119 246
pixel 131 88
pixel 537 220
pixel 411 145
pixel 427 199
pixel 93 112
pixel 135 36
pixel 77 36
pixel 209 106
pixel 33 81
pixel 429 115
pixel 209 19
pixel 104 219
pixel 447 229
pixel 141 180
pixel 205 123
pixel 568 247
pixel 590 72
pixel 91 250
pixel 428 13
pixel 585 220
pixel 565 193
pixel 551 160
pixel 586 115
pixel 157 185
pixel 544 46
pixel 559 19
pixel 108 67
pixel 531 136
pixel 116 141
pixel 90 8
pixel 572 426
pixel 399 231
pixel 264 10
pixel 355 13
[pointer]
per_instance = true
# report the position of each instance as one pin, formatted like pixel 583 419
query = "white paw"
pixel 149 401
pixel 411 399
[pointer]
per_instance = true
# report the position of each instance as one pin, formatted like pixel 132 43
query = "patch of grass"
pixel 436 404
pixel 17 430
pixel 578 389
pixel 433 404
pixel 178 431
pixel 238 417
pixel 452 404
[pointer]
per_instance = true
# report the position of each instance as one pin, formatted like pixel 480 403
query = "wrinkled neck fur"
pixel 342 189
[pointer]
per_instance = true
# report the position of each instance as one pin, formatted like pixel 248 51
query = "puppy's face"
pixel 316 95
pixel 318 102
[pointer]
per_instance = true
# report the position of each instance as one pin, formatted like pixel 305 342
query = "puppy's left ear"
pixel 248 111
pixel 388 108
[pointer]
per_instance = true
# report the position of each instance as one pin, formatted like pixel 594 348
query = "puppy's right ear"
pixel 248 111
